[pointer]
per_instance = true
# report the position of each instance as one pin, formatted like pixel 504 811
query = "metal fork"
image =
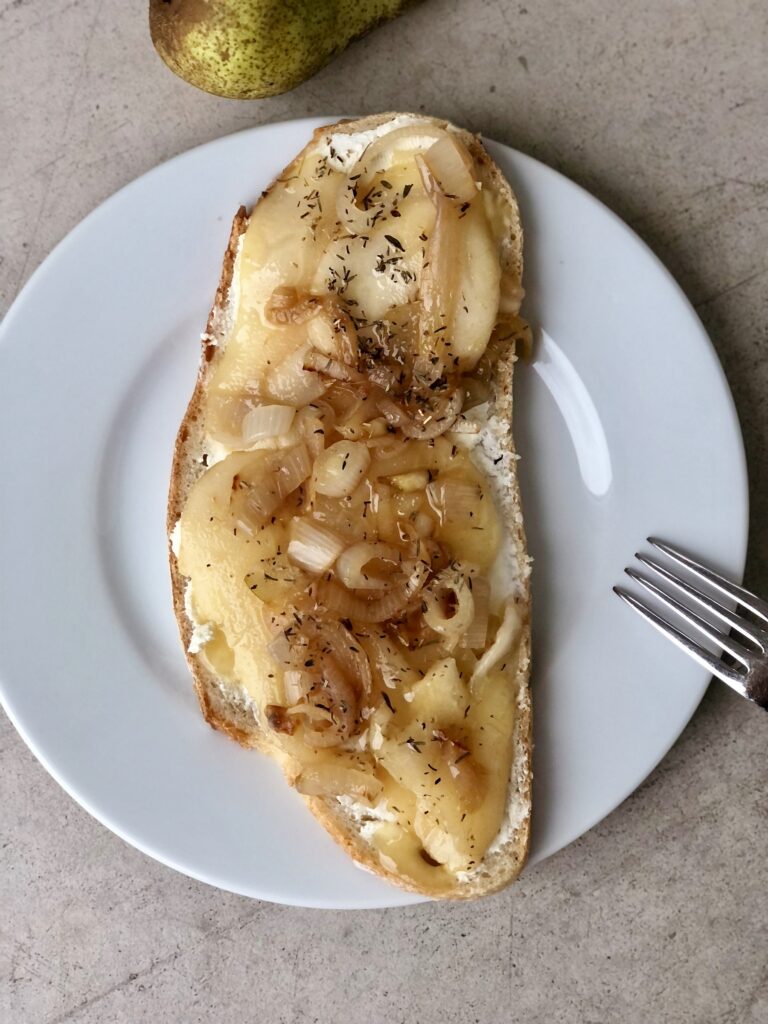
pixel 748 674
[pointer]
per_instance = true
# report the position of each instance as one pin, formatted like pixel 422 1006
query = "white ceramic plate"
pixel 625 423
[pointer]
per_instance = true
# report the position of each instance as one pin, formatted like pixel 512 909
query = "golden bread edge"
pixel 227 712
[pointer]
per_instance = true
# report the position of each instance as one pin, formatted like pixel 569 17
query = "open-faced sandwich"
pixel 347 550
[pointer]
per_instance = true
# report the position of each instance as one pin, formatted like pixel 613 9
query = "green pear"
pixel 248 49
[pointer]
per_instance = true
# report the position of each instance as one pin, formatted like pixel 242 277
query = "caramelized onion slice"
pixel 285 306
pixel 312 427
pixel 330 707
pixel 335 694
pixel 379 155
pixel 241 423
pixel 330 328
pixel 411 483
pixel 265 421
pixel 334 333
pixel 338 780
pixel 505 639
pixel 330 350
pixel 330 367
pixel 290 468
pixel 475 637
pixel 294 686
pixel 427 421
pixel 411 456
pixel 391 665
pixel 311 546
pixel 350 566
pixel 326 675
pixel 334 598
pixel 263 484
pixel 349 654
pixel 289 382
pixel 340 468
pixel 449 606
pixel 282 651
pixel 394 413
pixel 434 419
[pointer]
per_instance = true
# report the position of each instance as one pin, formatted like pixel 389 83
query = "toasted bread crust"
pixel 229 713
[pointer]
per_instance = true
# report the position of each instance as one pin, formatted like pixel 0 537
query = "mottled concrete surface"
pixel 660 913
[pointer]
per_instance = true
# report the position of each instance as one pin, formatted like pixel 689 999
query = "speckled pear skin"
pixel 250 49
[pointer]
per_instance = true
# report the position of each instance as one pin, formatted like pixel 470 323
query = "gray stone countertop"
pixel 660 912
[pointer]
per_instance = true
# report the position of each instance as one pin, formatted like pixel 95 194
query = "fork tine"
pixel 718 668
pixel 733 647
pixel 750 630
pixel 720 583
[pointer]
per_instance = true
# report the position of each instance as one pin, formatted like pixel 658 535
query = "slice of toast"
pixel 233 710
